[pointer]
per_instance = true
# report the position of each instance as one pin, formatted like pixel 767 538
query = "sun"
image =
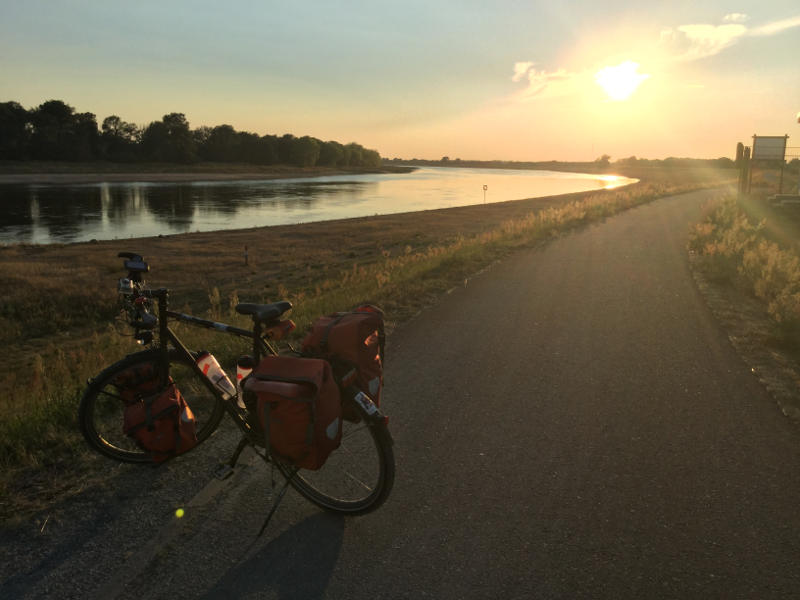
pixel 620 81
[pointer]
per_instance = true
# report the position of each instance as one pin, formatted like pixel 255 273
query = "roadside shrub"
pixel 732 248
pixel 722 239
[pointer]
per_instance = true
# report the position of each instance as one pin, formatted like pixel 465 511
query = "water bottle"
pixel 244 366
pixel 211 369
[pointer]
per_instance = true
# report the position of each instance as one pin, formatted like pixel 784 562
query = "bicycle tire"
pixel 101 409
pixel 357 477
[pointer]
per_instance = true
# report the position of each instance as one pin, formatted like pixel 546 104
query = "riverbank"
pixel 36 172
pixel 58 320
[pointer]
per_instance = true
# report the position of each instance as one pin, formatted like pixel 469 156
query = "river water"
pixel 45 214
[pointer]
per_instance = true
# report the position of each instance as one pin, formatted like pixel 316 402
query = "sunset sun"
pixel 620 81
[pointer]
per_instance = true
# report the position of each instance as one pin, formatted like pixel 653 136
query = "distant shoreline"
pixel 22 173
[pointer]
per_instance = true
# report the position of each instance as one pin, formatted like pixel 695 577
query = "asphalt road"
pixel 570 424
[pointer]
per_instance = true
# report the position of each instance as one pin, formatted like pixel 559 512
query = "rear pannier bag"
pixel 351 341
pixel 299 408
pixel 162 424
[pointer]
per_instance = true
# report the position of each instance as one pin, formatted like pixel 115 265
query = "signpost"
pixel 771 148
pixel 485 187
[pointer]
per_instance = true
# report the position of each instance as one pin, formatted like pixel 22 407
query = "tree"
pixel 267 150
pixel 15 131
pixel 304 152
pixel 603 160
pixel 285 143
pixel 85 140
pixel 331 154
pixel 53 123
pixel 370 158
pixel 119 140
pixel 170 140
pixel 352 155
pixel 221 144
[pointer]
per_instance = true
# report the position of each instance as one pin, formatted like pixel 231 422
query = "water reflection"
pixel 69 213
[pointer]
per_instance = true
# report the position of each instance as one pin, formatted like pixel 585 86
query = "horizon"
pixel 536 83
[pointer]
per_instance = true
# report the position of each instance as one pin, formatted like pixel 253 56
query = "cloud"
pixel 735 18
pixel 692 42
pixel 776 26
pixel 520 70
pixel 699 40
pixel 539 81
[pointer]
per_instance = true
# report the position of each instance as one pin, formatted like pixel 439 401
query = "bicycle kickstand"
pixel 225 470
pixel 277 501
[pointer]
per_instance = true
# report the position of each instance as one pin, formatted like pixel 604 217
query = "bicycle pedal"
pixel 223 471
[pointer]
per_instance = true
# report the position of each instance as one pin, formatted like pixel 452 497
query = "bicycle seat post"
pixel 257 329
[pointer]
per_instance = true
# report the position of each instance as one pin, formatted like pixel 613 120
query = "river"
pixel 46 214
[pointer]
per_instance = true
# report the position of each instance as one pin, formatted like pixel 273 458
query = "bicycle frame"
pixel 166 336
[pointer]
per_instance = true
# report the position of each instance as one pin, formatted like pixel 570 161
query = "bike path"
pixel 570 424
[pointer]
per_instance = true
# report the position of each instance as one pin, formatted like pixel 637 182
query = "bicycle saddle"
pixel 264 312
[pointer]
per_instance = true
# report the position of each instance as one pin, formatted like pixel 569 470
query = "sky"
pixel 491 80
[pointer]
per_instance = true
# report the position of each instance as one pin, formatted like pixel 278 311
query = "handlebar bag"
pixel 353 342
pixel 299 408
pixel 161 424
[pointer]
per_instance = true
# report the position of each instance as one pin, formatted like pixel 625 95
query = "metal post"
pixel 749 168
pixel 485 187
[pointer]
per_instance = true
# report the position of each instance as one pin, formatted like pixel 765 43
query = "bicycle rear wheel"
pixel 357 477
pixel 101 409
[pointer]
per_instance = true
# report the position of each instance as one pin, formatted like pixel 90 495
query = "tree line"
pixel 55 131
pixel 603 161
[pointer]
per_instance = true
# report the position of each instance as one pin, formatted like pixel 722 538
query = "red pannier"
pixel 354 343
pixel 137 382
pixel 299 408
pixel 162 424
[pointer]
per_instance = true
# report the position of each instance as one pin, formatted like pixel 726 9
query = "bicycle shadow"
pixel 297 564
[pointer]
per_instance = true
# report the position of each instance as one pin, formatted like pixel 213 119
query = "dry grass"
pixel 62 298
pixel 734 247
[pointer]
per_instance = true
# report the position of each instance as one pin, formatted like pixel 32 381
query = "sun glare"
pixel 620 81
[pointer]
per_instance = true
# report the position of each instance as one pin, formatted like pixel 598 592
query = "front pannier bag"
pixel 162 424
pixel 352 341
pixel 299 408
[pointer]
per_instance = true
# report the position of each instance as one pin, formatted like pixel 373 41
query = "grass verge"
pixel 749 272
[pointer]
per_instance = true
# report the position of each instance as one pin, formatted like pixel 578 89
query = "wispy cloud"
pixel 735 18
pixel 692 42
pixel 700 40
pixel 520 70
pixel 540 80
pixel 777 26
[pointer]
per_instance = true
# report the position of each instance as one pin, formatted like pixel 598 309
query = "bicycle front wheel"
pixel 357 477
pixel 101 410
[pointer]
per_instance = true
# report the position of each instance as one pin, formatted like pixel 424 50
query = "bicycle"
pixel 357 477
